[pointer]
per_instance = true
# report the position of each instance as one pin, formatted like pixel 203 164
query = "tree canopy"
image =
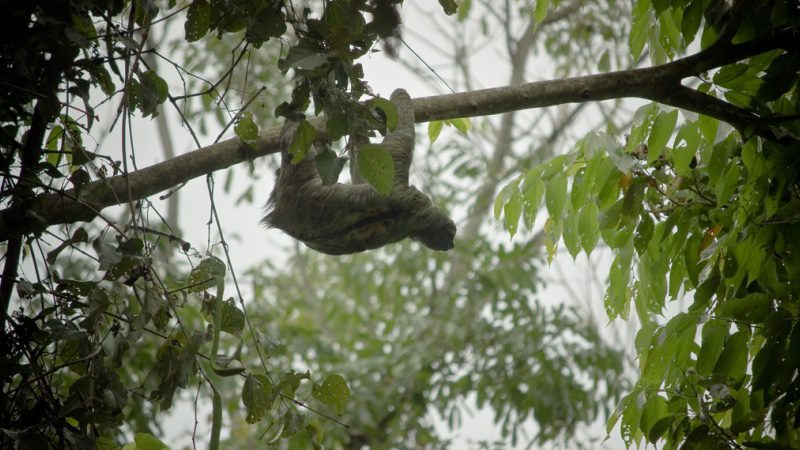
pixel 109 323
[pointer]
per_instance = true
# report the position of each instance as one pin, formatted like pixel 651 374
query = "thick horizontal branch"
pixel 661 83
pixel 653 83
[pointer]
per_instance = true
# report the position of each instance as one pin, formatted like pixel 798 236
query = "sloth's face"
pixel 439 235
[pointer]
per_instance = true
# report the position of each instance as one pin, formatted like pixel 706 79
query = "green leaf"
pixel 753 258
pixel 780 76
pixel 672 344
pixel 84 26
pixel 99 301
pixel 329 166
pixel 643 234
pixel 80 177
pixel 570 234
pixel 106 443
pixel 292 422
pixel 556 195
pixel 658 429
pixel 232 318
pixel 606 184
pixel 268 23
pixel 146 441
pixel 657 45
pixel 720 157
pixel 145 13
pixel 434 129
pixel 686 143
pixel 643 119
pixel 714 335
pixel 589 227
pixel 257 395
pixel 449 6
pixel 198 20
pixel 79 235
pixel 503 197
pixel 552 232
pixel 692 258
pixel 581 184
pixel 315 434
pixel 206 274
pixel 462 124
pixel 655 409
pixel 632 203
pixel 81 156
pixel 733 360
pixel 541 10
pixel 557 165
pixel 751 309
pixel 630 420
pixel 748 84
pixel 344 24
pixel 175 363
pixel 609 217
pixel 147 93
pixel 337 124
pixel 52 145
pixel 659 6
pixel 692 16
pixel 303 58
pixel 132 247
pixel 739 99
pixel 778 325
pixel 246 129
pixel 612 421
pixel 376 166
pixel 677 277
pixel 752 159
pixel 124 267
pixel 706 289
pixel 303 137
pixel 660 134
pixel 333 392
pixel 727 184
pixel 102 78
pixel 290 381
pixel 670 35
pixel 512 211
pixel 534 192
pixel 764 364
pixel 641 27
pixel 708 126
pixel 617 294
pixel 729 73
pixel 388 109
pixel 156 89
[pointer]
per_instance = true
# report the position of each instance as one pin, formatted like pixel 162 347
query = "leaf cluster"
pixel 703 222
pixel 107 336
pixel 411 342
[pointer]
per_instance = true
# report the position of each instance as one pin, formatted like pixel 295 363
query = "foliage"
pixel 704 222
pixel 412 338
pixel 117 323
pixel 80 322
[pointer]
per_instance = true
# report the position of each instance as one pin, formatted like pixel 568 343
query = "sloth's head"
pixel 437 232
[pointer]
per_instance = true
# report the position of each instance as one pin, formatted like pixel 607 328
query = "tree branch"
pixel 660 83
pixel 649 83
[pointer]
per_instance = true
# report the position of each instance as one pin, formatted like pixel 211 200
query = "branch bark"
pixel 660 83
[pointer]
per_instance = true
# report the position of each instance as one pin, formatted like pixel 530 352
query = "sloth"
pixel 339 219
